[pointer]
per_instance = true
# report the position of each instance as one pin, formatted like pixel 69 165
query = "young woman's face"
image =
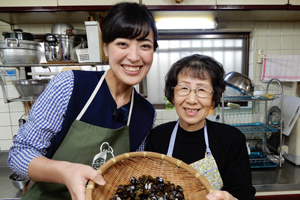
pixel 191 109
pixel 130 59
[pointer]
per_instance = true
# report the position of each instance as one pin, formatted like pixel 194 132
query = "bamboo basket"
pixel 120 169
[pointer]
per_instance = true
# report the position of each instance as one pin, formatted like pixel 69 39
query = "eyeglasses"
pixel 202 92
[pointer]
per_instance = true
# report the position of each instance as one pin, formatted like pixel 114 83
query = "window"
pixel 229 49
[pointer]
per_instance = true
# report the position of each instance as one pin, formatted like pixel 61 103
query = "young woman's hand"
pixel 220 195
pixel 76 177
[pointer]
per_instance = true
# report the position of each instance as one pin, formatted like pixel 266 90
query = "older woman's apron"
pixel 87 144
pixel 206 166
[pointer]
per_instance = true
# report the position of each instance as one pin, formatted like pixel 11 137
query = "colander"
pixel 30 87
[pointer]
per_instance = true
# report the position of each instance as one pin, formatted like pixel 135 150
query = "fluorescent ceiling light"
pixel 186 23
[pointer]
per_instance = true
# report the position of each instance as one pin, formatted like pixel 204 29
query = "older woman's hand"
pixel 220 195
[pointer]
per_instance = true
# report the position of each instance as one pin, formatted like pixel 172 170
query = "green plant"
pixel 169 105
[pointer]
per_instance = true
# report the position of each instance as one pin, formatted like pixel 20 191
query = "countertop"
pixel 270 181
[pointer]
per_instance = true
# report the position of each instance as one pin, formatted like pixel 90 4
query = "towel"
pixel 286 68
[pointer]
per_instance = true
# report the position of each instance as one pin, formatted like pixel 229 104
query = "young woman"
pixel 194 84
pixel 84 118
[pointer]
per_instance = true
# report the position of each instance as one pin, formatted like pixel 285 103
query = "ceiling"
pixel 221 15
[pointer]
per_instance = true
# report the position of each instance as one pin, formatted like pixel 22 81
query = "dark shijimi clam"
pixel 149 188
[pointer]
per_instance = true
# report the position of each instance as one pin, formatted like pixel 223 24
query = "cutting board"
pixel 290 111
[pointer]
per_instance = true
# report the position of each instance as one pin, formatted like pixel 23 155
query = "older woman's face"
pixel 191 109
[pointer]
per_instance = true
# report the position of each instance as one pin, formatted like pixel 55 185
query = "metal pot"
pixel 60 47
pixel 19 34
pixel 61 28
pixel 14 51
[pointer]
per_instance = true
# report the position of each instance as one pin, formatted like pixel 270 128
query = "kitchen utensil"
pixel 290 112
pixel 61 47
pixel 30 87
pixel 259 160
pixel 120 169
pixel 240 82
pixel 94 52
pixel 17 181
pixel 19 34
pixel 14 51
pixel 274 116
pixel 61 28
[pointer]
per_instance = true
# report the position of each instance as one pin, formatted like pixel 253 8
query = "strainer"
pixel 30 87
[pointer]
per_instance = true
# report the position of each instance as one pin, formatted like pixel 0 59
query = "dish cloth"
pixel 286 68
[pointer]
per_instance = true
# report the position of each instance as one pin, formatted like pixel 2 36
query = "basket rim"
pixel 148 154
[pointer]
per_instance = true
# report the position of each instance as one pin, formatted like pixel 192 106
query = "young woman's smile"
pixel 132 58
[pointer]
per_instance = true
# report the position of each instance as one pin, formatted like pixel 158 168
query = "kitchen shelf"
pixel 261 160
pixel 53 64
pixel 262 127
pixel 56 64
pixel 255 127
pixel 246 98
pixel 20 99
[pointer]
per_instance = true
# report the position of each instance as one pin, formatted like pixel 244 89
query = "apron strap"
pixel 87 104
pixel 172 140
pixel 208 152
pixel 91 97
pixel 131 106
pixel 173 137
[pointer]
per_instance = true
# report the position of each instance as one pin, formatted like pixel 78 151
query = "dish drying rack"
pixel 262 154
pixel 264 158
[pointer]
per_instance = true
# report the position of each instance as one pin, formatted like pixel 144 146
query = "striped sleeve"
pixel 143 145
pixel 44 122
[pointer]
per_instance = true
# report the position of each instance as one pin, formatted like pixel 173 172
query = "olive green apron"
pixel 87 144
pixel 206 166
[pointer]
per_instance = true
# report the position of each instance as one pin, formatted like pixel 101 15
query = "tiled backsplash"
pixel 165 116
pixel 271 37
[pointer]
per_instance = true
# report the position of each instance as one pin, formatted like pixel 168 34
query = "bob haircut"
pixel 128 20
pixel 197 66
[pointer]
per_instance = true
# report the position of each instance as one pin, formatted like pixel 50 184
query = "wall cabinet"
pixel 27 3
pixel 295 2
pixel 173 2
pixel 90 2
pixel 253 2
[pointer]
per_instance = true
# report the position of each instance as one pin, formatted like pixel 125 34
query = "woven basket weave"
pixel 120 169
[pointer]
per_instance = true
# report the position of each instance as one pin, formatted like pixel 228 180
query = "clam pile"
pixel 149 188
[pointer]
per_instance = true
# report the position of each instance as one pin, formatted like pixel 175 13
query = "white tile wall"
pixel 165 116
pixel 270 37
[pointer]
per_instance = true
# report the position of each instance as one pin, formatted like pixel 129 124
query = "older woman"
pixel 194 85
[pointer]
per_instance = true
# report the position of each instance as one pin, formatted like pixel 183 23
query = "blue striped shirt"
pixel 44 122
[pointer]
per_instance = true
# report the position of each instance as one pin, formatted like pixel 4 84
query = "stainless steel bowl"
pixel 240 82
pixel 17 181
pixel 30 87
